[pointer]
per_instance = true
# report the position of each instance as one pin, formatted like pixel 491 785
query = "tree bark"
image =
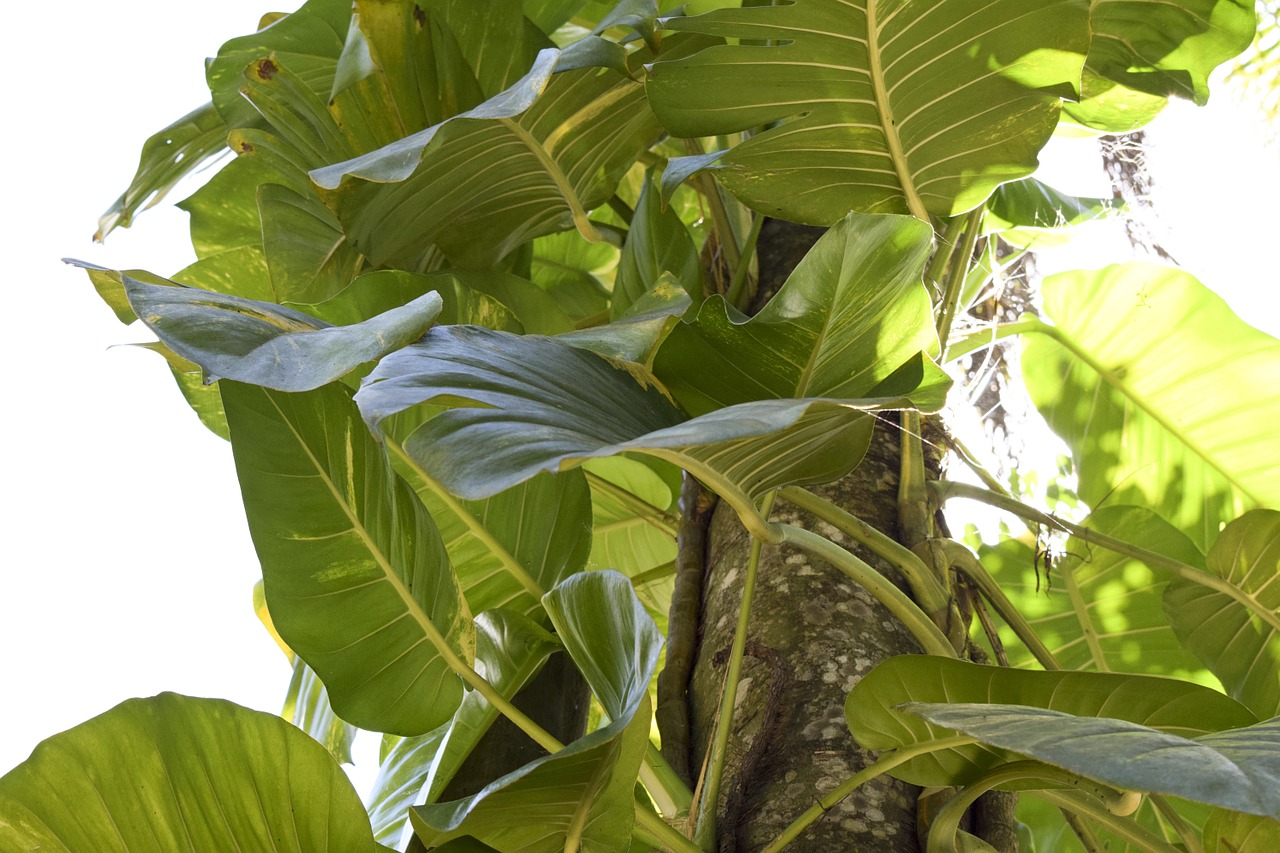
pixel 813 635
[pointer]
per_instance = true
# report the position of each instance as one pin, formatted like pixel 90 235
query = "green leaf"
pixel 307 254
pixel 1238 769
pixel 266 344
pixel 241 271
pixel 172 773
pixel 923 107
pixel 1144 51
pixel 582 797
pixel 635 520
pixel 576 273
pixel 167 157
pixel 308 42
pixel 547 406
pixel 1097 610
pixel 356 576
pixel 637 335
pixel 306 705
pixel 1177 707
pixel 1138 373
pixel 510 650
pixel 851 314
pixel 657 242
pixel 1238 640
pixel 530 161
pixel 224 212
pixel 1033 206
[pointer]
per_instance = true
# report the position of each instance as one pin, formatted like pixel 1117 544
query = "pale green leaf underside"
pixel 357 580
pixel 1238 769
pixel 917 106
pixel 1141 369
pixel 172 773
pixel 541 405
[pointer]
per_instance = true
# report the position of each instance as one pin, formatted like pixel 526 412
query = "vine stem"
pixel 848 786
pixel 950 489
pixel 705 827
pixel 955 282
pixel 942 834
pixel 1129 830
pixel 929 592
pixel 929 635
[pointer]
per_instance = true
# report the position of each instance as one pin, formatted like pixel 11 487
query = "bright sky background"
pixel 129 570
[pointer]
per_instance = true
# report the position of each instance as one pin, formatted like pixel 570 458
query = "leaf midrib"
pixel 887 123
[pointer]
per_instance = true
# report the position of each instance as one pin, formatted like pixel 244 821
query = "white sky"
pixel 129 569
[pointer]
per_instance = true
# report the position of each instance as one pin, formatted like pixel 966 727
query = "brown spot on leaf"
pixel 267 68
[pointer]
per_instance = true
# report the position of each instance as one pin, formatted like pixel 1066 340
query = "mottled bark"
pixel 813 635
pixel 830 633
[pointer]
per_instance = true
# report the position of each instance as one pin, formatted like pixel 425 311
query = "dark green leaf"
pixel 1177 707
pixel 380 291
pixel 582 797
pixel 637 335
pixel 510 650
pixel 657 242
pixel 356 576
pixel 1238 769
pixel 172 773
pixel 530 161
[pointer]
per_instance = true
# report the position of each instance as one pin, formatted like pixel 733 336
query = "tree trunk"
pixel 813 635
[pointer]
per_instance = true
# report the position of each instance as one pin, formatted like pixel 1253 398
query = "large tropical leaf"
pixel 266 344
pixel 1237 769
pixel 920 106
pixel 1145 51
pixel 547 406
pixel 1178 707
pixel 582 797
pixel 1096 609
pixel 172 773
pixel 851 314
pixel 167 157
pixel 1141 368
pixel 1237 638
pixel 356 577
pixel 530 161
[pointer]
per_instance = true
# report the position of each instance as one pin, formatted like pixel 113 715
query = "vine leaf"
pixel 920 107
pixel 1237 769
pixel 357 580
pixel 874 714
